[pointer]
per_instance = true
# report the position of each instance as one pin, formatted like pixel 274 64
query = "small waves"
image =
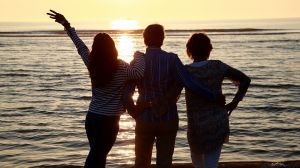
pixel 83 98
pixel 45 92
pixel 12 114
pixel 277 41
pixel 276 86
pixel 14 75
pixel 257 33
pixel 272 109
pixel 285 130
pixel 35 130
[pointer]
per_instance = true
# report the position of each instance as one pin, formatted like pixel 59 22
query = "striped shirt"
pixel 108 100
pixel 162 70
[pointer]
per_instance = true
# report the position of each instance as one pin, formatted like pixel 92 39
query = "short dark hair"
pixel 154 35
pixel 199 46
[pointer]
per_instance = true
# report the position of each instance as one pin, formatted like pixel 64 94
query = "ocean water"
pixel 45 92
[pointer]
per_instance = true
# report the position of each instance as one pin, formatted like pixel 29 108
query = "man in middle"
pixel 163 72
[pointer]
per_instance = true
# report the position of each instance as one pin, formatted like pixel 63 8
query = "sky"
pixel 106 11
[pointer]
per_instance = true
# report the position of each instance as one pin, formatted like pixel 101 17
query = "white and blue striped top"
pixel 108 100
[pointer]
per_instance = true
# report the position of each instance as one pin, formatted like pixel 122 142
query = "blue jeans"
pixel 101 132
pixel 207 160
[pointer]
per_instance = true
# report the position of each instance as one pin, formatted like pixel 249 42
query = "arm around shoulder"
pixel 137 66
pixel 186 79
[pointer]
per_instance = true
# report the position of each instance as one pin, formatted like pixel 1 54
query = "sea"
pixel 45 91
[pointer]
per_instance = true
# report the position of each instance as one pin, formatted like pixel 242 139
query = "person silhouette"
pixel 208 122
pixel 159 123
pixel 109 75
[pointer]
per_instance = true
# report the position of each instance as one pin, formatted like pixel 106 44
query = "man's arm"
pixel 132 109
pixel 186 79
pixel 127 98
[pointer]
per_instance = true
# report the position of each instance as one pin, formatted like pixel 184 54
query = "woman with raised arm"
pixel 108 78
pixel 208 123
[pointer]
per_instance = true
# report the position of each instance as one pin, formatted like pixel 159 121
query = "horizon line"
pixel 172 21
pixel 139 31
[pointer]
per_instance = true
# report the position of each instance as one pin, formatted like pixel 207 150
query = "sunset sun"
pixel 124 25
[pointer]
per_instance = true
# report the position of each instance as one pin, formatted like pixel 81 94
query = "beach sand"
pixel 254 164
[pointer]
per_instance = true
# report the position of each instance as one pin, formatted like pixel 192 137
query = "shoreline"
pixel 243 164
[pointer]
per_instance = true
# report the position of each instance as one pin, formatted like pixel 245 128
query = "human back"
pixel 208 122
pixel 109 76
pixel 211 73
pixel 164 72
pixel 107 100
pixel 159 62
pixel 159 74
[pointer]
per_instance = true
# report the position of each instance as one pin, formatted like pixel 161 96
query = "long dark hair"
pixel 103 62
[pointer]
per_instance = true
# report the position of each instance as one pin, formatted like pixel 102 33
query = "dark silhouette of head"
pixel 154 35
pixel 199 47
pixel 103 60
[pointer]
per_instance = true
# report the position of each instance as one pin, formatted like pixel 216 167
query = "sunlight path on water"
pixel 125 46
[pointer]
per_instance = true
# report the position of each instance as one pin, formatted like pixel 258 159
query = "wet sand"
pixel 254 164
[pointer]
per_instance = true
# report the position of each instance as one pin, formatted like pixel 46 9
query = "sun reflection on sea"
pixel 125 47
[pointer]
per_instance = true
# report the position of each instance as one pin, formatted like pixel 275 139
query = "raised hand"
pixel 59 18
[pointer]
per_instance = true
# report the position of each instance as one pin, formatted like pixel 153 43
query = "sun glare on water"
pixel 124 25
pixel 125 46
pixel 124 41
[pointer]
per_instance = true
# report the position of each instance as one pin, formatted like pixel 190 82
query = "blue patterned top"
pixel 162 71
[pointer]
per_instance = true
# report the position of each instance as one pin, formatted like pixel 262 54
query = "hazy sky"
pixel 148 10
